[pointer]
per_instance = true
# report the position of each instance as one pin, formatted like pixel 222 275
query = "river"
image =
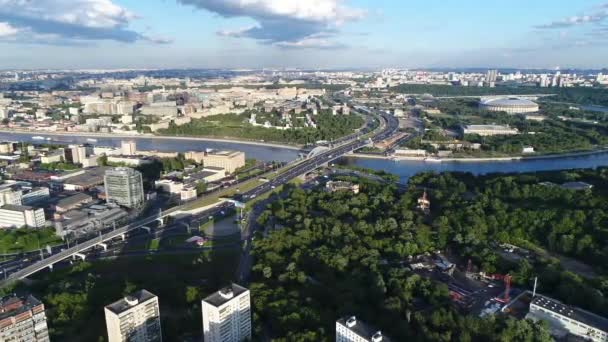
pixel 263 153
pixel 404 169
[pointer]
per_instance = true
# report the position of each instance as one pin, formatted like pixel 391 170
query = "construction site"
pixel 474 293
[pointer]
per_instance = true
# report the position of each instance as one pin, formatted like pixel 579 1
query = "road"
pixel 389 125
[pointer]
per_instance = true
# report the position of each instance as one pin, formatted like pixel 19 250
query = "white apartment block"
pixel 349 329
pixel 227 315
pixel 489 130
pixel 17 216
pixel 22 319
pixel 564 319
pixel 135 318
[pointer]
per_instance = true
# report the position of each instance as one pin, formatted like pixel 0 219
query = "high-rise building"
pixel 124 186
pixel 129 148
pixel 22 319
pixel 135 318
pixel 491 76
pixel 349 329
pixel 75 154
pixel 227 315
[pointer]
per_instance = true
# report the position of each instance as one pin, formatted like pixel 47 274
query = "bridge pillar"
pixel 148 229
pixel 81 256
pixel 122 237
pixel 104 246
pixel 51 267
pixel 187 226
pixel 161 221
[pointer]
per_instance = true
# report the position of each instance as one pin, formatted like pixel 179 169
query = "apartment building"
pixel 135 318
pixel 227 315
pixel 22 319
pixel 349 329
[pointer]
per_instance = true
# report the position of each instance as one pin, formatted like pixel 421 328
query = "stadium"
pixel 511 105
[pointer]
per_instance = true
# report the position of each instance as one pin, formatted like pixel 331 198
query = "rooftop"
pixel 223 296
pixel 360 328
pixel 13 207
pixel 130 301
pixel 73 200
pixel 509 102
pixel 572 312
pixel 12 305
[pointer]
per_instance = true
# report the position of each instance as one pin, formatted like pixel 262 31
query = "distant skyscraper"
pixel 227 315
pixel 124 186
pixel 129 148
pixel 135 318
pixel 491 76
pixel 350 329
pixel 22 319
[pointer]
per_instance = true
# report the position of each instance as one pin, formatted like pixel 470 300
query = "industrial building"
pixel 564 319
pixel 135 318
pixel 22 319
pixel 227 315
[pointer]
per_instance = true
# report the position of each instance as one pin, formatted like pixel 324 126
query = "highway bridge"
pixel 388 127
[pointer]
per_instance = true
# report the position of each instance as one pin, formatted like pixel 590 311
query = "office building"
pixel 349 329
pixel 135 318
pixel 75 154
pixel 124 186
pixel 492 76
pixel 17 216
pixel 228 160
pixel 564 319
pixel 129 148
pixel 22 319
pixel 227 315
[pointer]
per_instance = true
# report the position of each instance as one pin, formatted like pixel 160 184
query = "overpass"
pixel 388 126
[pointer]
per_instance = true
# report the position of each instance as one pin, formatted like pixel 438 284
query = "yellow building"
pixel 228 160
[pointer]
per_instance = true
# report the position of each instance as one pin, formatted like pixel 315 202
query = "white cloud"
pixel 283 22
pixel 77 20
pixel 6 30
pixel 598 15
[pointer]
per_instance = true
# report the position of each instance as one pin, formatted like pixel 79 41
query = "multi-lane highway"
pixel 388 126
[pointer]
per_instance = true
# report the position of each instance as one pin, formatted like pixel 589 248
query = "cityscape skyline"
pixel 320 34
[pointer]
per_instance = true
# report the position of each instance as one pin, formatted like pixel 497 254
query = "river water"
pixel 263 153
pixel 404 169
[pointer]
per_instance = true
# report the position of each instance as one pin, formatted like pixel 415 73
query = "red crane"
pixel 507 280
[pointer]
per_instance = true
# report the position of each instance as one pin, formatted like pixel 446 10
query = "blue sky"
pixel 302 33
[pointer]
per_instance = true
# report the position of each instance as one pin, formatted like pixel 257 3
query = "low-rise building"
pixel 334 186
pixel 17 216
pixel 564 319
pixel 72 202
pixel 489 130
pixel 228 160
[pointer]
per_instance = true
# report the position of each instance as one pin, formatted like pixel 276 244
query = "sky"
pixel 314 34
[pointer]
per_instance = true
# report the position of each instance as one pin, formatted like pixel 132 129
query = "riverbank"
pixel 481 159
pixel 152 136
